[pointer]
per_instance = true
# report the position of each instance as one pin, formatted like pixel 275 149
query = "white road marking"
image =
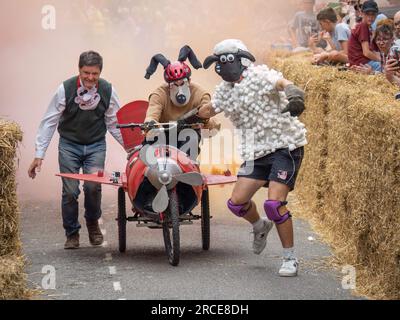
pixel 113 270
pixel 117 286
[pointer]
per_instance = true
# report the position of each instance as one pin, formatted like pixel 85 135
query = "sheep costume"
pixel 254 103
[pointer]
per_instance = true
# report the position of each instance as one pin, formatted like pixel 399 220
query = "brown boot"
pixel 95 236
pixel 72 242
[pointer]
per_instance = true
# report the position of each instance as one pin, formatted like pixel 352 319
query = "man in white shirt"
pixel 83 109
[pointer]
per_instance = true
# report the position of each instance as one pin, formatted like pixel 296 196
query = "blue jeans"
pixel 90 158
pixel 375 65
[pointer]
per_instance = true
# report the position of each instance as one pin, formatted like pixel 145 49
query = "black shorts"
pixel 281 166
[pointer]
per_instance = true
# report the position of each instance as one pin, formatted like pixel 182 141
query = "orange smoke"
pixel 127 33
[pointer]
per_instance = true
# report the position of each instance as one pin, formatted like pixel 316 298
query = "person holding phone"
pixel 337 36
pixel 384 40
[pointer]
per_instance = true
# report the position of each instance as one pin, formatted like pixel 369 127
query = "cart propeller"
pixel 160 179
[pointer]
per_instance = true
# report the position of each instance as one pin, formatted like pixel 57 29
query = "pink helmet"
pixel 174 71
pixel 177 71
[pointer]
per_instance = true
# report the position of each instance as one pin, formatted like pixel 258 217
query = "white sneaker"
pixel 289 268
pixel 260 238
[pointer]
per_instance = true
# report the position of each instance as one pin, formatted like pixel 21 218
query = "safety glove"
pixel 296 100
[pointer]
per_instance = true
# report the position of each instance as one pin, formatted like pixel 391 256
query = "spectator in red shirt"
pixel 360 52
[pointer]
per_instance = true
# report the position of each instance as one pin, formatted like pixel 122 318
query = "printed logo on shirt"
pixel 283 175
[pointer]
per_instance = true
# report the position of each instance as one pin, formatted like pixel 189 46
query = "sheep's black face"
pixel 229 67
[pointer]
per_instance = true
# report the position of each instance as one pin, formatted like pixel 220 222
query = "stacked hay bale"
pixel 12 278
pixel 350 180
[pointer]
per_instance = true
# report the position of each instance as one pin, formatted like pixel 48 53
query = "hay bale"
pixel 317 90
pixel 350 179
pixel 10 136
pixel 12 278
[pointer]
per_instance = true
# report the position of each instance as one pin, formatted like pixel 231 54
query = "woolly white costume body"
pixel 273 140
pixel 255 105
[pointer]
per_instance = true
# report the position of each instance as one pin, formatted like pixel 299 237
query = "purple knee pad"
pixel 238 210
pixel 272 211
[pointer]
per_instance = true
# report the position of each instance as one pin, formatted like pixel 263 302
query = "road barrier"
pixel 12 263
pixel 349 185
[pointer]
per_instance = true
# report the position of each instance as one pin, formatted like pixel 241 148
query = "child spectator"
pixel 303 26
pixel 337 36
pixel 360 52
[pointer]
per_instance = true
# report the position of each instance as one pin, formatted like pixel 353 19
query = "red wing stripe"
pixel 92 178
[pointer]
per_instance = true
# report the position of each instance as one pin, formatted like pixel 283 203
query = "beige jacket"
pixel 161 108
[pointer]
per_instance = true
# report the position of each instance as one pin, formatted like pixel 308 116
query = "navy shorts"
pixel 281 166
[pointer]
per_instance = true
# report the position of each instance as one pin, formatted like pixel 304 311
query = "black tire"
pixel 121 220
pixel 205 220
pixel 171 223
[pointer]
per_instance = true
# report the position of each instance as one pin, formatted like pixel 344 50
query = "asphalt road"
pixel 228 271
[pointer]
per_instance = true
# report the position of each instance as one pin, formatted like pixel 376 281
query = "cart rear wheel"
pixel 171 228
pixel 121 220
pixel 205 220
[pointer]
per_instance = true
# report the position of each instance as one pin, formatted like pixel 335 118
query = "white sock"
pixel 288 254
pixel 259 225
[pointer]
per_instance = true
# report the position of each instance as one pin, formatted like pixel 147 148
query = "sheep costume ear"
pixel 157 59
pixel 246 55
pixel 210 60
pixel 187 53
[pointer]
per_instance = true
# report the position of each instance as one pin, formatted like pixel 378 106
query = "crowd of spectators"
pixel 354 35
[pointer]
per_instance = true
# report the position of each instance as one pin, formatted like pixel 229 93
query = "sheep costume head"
pixel 232 58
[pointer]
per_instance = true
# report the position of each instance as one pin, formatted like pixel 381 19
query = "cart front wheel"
pixel 205 220
pixel 121 220
pixel 171 230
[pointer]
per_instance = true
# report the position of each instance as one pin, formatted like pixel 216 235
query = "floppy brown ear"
pixel 246 55
pixel 157 59
pixel 187 52
pixel 210 60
